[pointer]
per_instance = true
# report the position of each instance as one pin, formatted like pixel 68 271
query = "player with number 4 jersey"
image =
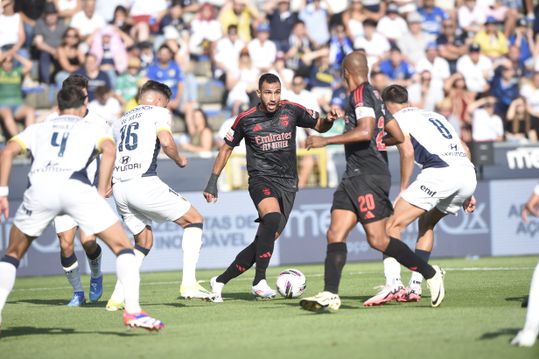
pixel 446 183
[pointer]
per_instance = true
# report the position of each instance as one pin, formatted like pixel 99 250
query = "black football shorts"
pixel 261 188
pixel 365 195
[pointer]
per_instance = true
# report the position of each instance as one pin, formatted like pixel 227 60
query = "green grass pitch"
pixel 480 315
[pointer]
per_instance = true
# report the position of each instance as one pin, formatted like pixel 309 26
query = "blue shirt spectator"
pixel 433 17
pixel 395 67
pixel 521 38
pixel 339 46
pixel 504 87
pixel 166 70
pixel 315 17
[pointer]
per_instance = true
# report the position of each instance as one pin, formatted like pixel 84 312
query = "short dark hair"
pixel 151 85
pixel 165 47
pixel 101 91
pixel 70 97
pixel 269 78
pixel 76 80
pixel 396 94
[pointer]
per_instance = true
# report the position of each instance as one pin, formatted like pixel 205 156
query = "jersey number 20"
pixel 128 137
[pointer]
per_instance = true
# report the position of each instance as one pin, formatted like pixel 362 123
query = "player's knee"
pixel 334 236
pixel 272 221
pixel 378 241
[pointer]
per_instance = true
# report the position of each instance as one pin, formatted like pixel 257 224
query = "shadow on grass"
pixel 25 331
pixel 499 333
pixel 522 299
pixel 57 302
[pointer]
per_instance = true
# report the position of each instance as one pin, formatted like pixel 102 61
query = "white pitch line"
pixel 148 284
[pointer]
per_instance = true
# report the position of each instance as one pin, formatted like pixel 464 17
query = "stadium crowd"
pixel 474 61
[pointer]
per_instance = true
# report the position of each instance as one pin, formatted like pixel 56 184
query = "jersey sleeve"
pixel 26 139
pixel 103 133
pixel 163 120
pixel 235 134
pixel 305 117
pixel 364 103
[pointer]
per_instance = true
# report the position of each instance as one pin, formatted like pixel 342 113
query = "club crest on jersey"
pixel 266 191
pixel 257 127
pixel 284 120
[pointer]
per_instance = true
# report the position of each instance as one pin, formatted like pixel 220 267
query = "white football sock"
pixel 129 277
pixel 7 280
pixel 392 270
pixel 416 280
pixel 532 316
pixel 73 276
pixel 191 243
pixel 118 294
pixel 95 267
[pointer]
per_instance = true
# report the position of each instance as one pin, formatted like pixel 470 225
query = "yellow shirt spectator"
pixel 493 43
pixel 240 13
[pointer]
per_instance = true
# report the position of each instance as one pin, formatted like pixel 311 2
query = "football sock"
pixel 72 271
pixel 118 294
pixel 532 316
pixel 244 260
pixel 404 255
pixel 191 243
pixel 335 260
pixel 129 277
pixel 8 271
pixel 265 243
pixel 417 278
pixel 392 270
pixel 94 260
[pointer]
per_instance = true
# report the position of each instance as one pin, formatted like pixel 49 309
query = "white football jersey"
pixel 63 147
pixel 435 141
pixel 137 145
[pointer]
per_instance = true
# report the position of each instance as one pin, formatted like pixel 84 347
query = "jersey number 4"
pixel 60 143
pixel 128 137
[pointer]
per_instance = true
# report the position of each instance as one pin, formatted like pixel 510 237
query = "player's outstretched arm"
pixel 363 132
pixel 108 149
pixel 12 149
pixel 171 150
pixel 210 192
pixel 324 124
pixel 532 206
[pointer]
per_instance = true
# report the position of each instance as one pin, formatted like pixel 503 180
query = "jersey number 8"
pixel 440 126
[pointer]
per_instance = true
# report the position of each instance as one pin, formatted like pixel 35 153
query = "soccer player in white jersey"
pixel 141 196
pixel 528 335
pixel 61 149
pixel 446 182
pixel 66 227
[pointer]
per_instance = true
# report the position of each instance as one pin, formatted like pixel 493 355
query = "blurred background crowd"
pixel 474 61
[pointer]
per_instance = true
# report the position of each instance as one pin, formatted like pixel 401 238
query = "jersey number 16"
pixel 128 137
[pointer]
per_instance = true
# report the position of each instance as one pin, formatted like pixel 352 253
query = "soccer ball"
pixel 291 283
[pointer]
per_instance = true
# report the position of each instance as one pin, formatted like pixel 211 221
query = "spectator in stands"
pixel 167 71
pixel 460 98
pixel 301 95
pixel 107 9
pixel 339 46
pixel 414 42
pixel 451 45
pixel 121 19
pixel 522 38
pixel 379 81
pixel 530 91
pixel 240 13
pixel 147 57
pixel 392 26
pixel 146 15
pixel 375 45
pixel 105 105
pixel 87 21
pixel 486 125
pixel 425 91
pixel 506 12
pixel 476 68
pixel 241 82
pixel 396 68
pixel 126 86
pixel 281 20
pixel 375 9
pixel 493 42
pixel 12 107
pixel 445 108
pixel 298 56
pixel 471 16
pixel 205 31
pixel 67 8
pixel 31 11
pixel 261 49
pixel 96 77
pixel 200 133
pixel 70 57
pixel 49 34
pixel 435 64
pixel 109 47
pixel 433 16
pixel 316 18
pixel 518 124
pixel 353 19
pixel 285 74
pixel 504 87
pixel 12 36
pixel 321 81
pixel 227 52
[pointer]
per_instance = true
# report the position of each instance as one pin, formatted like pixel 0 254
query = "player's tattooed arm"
pixel 171 150
pixel 210 192
pixel 12 149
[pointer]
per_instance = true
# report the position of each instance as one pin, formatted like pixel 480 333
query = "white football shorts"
pixel 142 200
pixel 45 200
pixel 444 188
pixel 64 223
